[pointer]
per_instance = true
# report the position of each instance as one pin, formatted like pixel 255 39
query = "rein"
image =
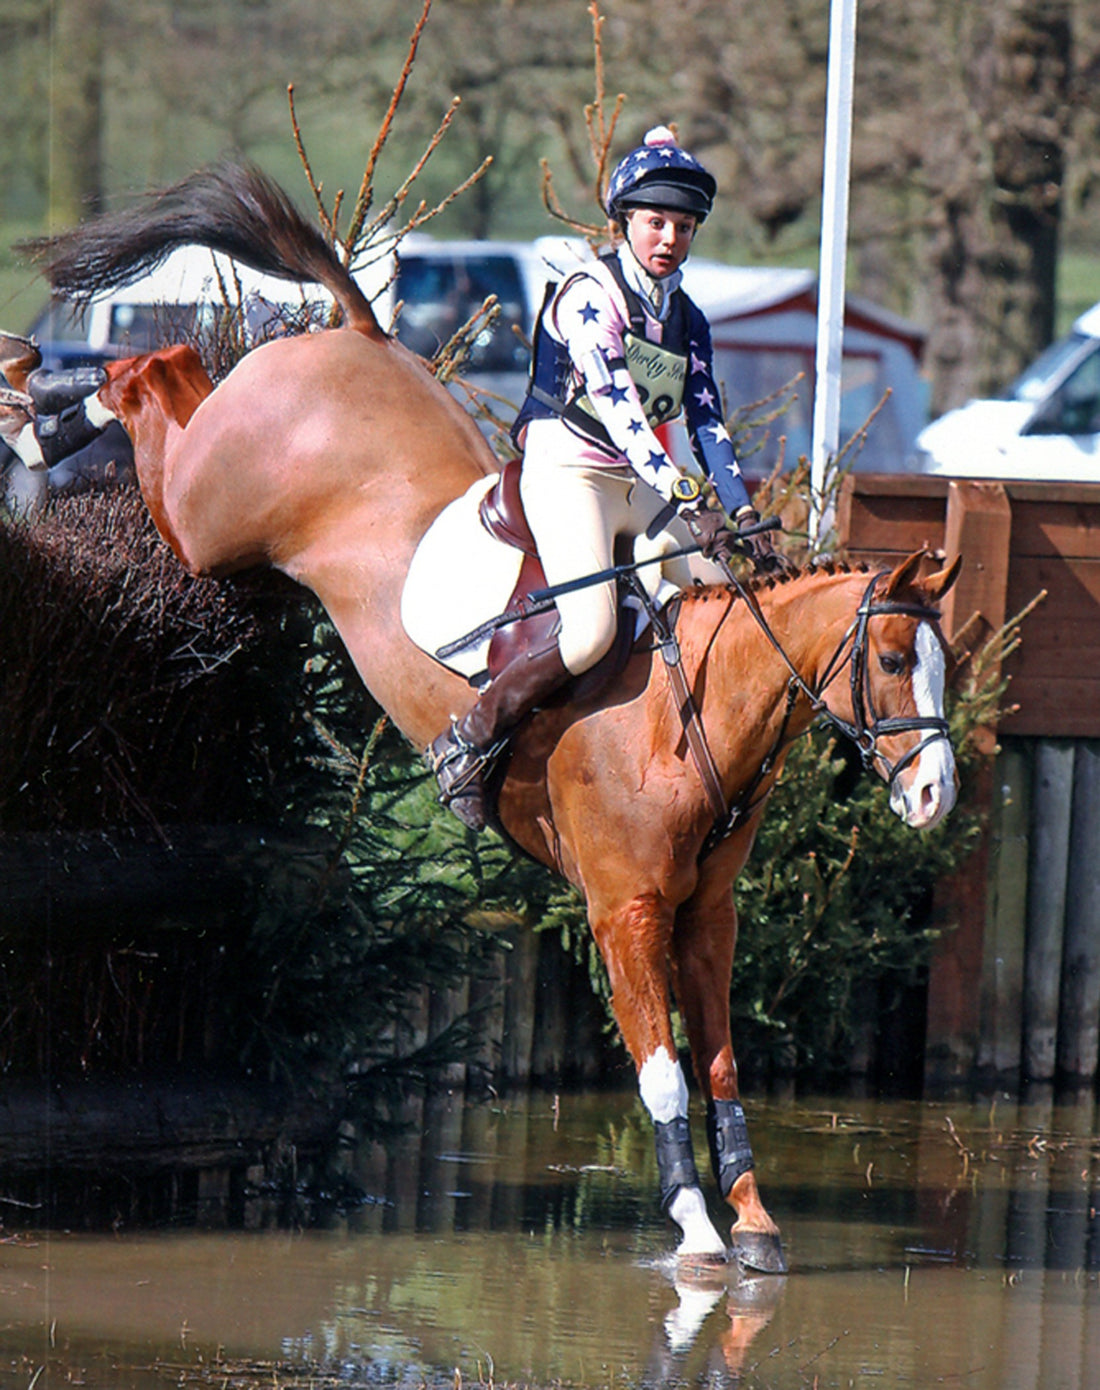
pixel 864 731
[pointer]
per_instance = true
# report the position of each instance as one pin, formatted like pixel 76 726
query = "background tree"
pixel 975 154
pixel 994 166
pixel 76 109
pixel 964 123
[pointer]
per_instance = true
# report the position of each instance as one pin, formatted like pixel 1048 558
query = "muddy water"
pixel 519 1242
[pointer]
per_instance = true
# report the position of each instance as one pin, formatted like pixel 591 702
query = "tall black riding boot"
pixel 461 755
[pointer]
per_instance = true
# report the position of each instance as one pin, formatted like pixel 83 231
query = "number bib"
pixel 658 375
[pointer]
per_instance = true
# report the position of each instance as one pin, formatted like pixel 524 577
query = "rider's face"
pixel 660 238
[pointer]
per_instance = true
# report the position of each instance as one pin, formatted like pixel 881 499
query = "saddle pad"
pixel 460 577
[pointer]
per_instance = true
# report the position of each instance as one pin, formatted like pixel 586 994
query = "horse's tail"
pixel 230 207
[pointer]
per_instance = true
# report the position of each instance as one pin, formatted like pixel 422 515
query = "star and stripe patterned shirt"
pixel 590 316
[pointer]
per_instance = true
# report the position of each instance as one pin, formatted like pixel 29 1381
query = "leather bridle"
pixel 864 730
pixel 867 727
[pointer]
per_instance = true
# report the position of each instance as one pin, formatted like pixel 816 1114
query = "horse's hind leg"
pixel 634 942
pixel 154 396
pixel 702 955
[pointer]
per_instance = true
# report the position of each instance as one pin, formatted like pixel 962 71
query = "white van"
pixel 1046 427
pixel 440 285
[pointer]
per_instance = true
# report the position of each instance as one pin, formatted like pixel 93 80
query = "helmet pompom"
pixel 660 135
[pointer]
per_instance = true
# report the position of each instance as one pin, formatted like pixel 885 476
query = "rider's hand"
pixel 759 548
pixel 709 528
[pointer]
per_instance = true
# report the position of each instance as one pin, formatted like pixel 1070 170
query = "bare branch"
pixel 600 128
pixel 365 195
pixel 315 185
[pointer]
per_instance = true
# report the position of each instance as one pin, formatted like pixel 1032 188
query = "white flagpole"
pixel 825 435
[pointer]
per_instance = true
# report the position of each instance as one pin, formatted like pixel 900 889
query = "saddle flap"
pixel 501 511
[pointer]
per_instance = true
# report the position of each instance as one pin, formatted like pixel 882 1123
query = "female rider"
pixel 619 349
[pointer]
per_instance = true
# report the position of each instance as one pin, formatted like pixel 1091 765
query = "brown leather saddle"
pixel 502 514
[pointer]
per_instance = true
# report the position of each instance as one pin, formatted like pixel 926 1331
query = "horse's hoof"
pixel 759 1251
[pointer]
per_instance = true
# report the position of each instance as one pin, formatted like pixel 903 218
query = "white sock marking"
pixel 97 413
pixel 665 1095
pixel 689 1210
pixel 26 448
pixel 663 1088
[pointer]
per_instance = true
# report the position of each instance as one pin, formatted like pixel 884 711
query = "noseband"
pixel 867 727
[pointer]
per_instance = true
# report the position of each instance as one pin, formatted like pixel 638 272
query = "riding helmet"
pixel 659 174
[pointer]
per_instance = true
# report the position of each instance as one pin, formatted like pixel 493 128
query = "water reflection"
pixel 519 1241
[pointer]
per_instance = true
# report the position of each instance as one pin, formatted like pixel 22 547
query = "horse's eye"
pixel 893 663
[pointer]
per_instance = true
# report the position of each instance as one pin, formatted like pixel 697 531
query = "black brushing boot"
pixel 53 392
pixel 63 426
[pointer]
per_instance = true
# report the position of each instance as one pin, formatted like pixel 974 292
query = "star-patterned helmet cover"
pixel 660 174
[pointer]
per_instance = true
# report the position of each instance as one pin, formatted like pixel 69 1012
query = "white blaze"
pixel 930 793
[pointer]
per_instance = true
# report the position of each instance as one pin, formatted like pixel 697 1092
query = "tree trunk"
pixel 1030 132
pixel 76 110
pixel 998 168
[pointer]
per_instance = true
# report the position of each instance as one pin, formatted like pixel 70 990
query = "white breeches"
pixel 577 502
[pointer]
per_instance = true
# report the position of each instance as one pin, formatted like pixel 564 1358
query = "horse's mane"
pixel 764 583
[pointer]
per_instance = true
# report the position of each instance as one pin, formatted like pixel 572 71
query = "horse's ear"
pixel 936 585
pixel 903 575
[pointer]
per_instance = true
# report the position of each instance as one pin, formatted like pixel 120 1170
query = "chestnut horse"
pixel 328 455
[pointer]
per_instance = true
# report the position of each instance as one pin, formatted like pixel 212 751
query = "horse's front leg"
pixel 702 959
pixel 634 941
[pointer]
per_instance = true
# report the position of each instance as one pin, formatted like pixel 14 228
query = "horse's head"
pixel 893 704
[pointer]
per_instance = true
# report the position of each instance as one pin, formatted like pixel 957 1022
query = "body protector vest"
pixel 658 370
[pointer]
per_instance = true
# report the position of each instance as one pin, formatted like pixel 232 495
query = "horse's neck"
pixel 807 617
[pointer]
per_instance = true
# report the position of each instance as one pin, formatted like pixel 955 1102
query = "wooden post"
pixel 978 527
pixel 1048 863
pixel 487 998
pixel 1079 1018
pixel 1002 982
pixel 550 1044
pixel 519 1007
pixel 445 1006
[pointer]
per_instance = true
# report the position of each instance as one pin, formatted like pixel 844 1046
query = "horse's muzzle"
pixel 927 794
